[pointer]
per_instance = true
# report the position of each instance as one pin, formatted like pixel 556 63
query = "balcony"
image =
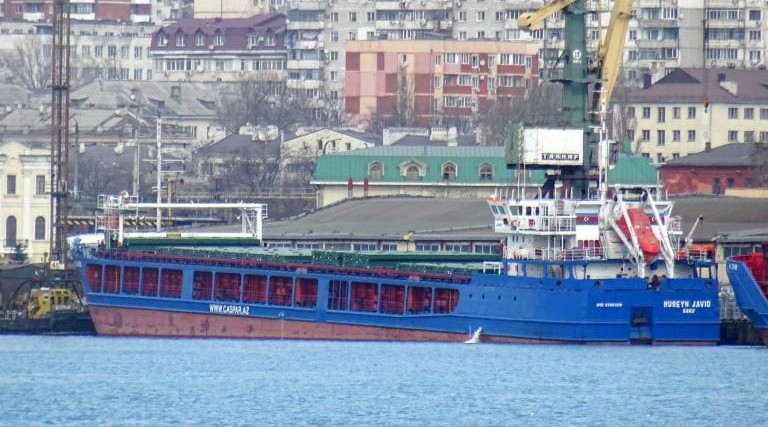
pixel 304 25
pixel 141 1
pixel 304 84
pixel 140 18
pixel 83 16
pixel 33 16
pixel 304 64
pixel 388 4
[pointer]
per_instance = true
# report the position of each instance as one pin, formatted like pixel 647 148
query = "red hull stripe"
pixel 115 321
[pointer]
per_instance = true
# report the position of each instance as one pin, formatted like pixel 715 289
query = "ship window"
pixel 112 279
pixel 255 289
pixel 131 280
pixel 280 290
pixel 419 300
pixel 338 291
pixel 93 275
pixel 149 278
pixel 227 287
pixel 364 297
pixel 306 293
pixel 202 285
pixel 446 300
pixel 170 283
pixel 392 299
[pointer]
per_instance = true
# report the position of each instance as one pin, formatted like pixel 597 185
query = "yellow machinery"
pixel 45 301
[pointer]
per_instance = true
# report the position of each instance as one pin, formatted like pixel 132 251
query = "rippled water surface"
pixel 164 382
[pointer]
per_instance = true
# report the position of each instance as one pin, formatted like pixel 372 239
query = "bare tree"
pixel 263 99
pixel 404 107
pixel 29 62
pixel 494 121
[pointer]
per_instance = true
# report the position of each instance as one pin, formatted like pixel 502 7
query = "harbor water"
pixel 96 381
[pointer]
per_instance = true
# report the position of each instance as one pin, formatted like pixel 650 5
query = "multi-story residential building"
pixel 24 200
pixel 100 50
pixel 220 49
pixel 230 8
pixel 135 11
pixel 446 81
pixel 693 110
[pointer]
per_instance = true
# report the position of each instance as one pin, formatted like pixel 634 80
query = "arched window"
pixel 485 172
pixel 39 228
pixel 412 173
pixel 375 171
pixel 449 171
pixel 10 232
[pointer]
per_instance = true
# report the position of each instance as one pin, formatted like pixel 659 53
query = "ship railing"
pixel 493 267
pixel 556 254
pixel 674 224
pixel 695 255
pixel 548 223
pixel 283 266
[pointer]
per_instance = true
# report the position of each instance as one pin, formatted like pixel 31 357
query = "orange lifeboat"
pixel 649 244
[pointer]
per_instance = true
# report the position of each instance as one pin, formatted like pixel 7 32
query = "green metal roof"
pixel 354 164
pixel 633 170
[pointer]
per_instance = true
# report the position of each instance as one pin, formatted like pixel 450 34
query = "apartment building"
pixel 220 49
pixel 694 110
pixel 204 9
pixel 439 80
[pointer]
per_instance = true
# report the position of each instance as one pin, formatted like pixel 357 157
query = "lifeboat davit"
pixel 649 243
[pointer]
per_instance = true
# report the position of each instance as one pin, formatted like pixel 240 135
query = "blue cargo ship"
pixel 612 269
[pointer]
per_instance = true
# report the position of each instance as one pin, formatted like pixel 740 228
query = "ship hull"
pixel 328 303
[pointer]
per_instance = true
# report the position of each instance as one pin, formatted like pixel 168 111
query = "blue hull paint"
pixel 622 310
pixel 750 297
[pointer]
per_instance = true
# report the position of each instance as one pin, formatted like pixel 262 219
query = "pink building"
pixel 437 80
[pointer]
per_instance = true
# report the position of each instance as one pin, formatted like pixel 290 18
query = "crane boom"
pixel 533 21
pixel 609 55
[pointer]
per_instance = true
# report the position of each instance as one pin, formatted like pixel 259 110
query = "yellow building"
pixel 693 110
pixel 24 200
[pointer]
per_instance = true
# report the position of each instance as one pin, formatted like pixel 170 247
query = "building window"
pixel 764 114
pixel 486 172
pixel 199 39
pixel 218 40
pixel 733 112
pixel 449 172
pixel 729 182
pixel 412 173
pixel 691 112
pixel 162 40
pixel 389 247
pixel 716 186
pixel 676 113
pixel 10 188
pixel 39 228
pixel 763 136
pixel 40 185
pixel 660 137
pixel 660 115
pixel 749 114
pixel 10 232
pixel 646 112
pixel 371 17
pixel 659 158
pixel 630 112
pixel 733 136
pixel 645 135
pixel 352 16
pixel 376 171
pixel 749 136
pixel 675 136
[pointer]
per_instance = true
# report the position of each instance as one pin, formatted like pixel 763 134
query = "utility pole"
pixel 59 133
pixel 159 188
